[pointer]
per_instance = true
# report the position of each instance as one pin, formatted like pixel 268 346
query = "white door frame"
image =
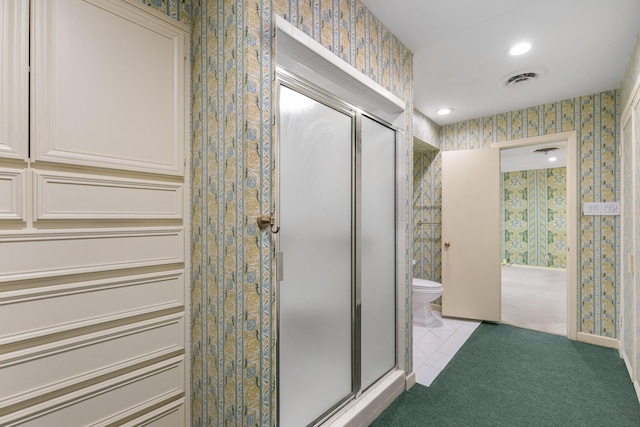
pixel 572 219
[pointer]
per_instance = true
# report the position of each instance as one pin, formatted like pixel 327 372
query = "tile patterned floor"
pixel 434 347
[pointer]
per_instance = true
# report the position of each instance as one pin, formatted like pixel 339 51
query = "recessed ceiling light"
pixel 519 49
pixel 444 111
pixel 552 159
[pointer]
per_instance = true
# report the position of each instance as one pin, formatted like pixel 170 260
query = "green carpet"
pixel 506 376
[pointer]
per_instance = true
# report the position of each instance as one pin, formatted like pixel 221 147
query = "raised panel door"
pixel 14 39
pixel 107 87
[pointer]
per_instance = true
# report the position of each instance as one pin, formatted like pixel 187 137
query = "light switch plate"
pixel 601 208
pixel 591 208
pixel 611 208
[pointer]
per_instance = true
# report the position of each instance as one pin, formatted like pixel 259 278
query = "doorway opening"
pixel 538 210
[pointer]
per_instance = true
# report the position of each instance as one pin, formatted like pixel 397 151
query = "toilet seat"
pixel 426 284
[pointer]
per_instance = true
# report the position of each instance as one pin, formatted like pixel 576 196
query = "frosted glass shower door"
pixel 377 252
pixel 315 238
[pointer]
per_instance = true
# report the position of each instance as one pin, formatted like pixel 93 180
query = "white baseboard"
pixel 598 340
pixel 436 307
pixel 534 266
pixel 410 381
pixel 627 363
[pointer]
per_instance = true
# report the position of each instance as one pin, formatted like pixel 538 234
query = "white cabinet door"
pixel 107 87
pixel 93 229
pixel 14 39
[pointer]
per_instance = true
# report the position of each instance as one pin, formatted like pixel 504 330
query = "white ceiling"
pixel 580 47
pixel 526 159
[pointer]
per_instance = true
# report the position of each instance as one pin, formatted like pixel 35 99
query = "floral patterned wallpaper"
pixel 534 210
pixel 427 208
pixel 176 9
pixel 233 316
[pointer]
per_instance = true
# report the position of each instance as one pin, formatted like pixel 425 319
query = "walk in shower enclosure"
pixel 336 256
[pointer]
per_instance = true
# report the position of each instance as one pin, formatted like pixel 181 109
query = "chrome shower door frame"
pixel 292 82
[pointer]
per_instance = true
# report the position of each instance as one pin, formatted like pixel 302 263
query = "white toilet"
pixel 424 292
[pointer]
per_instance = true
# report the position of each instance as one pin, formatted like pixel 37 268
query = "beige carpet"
pixel 534 298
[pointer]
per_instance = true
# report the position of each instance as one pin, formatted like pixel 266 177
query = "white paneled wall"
pixel 93 214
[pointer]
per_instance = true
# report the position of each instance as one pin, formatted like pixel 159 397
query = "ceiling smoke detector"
pixel 521 79
pixel 545 150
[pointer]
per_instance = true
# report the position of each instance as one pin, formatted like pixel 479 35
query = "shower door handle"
pixel 265 221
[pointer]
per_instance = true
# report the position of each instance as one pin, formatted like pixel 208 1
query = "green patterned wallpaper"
pixel 233 318
pixel 595 118
pixel 534 210
pixel 427 207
